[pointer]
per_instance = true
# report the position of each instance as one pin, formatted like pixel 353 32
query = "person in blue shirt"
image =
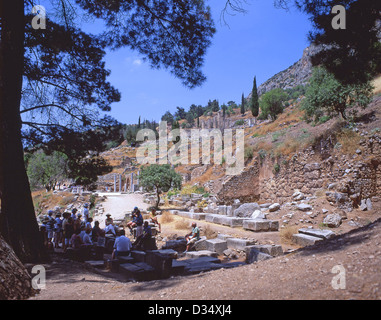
pixel 137 221
pixel 122 245
pixel 58 230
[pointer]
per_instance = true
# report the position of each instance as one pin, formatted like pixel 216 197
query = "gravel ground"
pixel 308 273
pixel 119 204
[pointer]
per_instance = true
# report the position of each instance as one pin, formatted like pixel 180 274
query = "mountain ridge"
pixel 297 74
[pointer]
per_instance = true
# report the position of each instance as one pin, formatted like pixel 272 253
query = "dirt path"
pixel 118 205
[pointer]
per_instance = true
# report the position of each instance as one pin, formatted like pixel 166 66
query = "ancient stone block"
pixel 239 244
pixel 254 255
pixel 305 240
pixel 216 245
pixel 272 250
pixel 246 209
pixel 257 225
pixel 320 233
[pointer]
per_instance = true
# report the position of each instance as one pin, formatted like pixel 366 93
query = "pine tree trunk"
pixel 18 223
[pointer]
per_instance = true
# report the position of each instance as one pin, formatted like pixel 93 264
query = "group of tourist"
pixel 70 229
pixel 73 229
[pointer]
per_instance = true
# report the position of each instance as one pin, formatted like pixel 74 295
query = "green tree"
pixel 271 103
pixel 47 170
pixel 59 75
pixel 190 118
pixel 159 178
pixel 213 105
pixel 176 125
pixel 168 116
pixel 254 103
pixel 325 94
pixel 180 113
pixel 224 107
pixel 352 54
pixel 243 104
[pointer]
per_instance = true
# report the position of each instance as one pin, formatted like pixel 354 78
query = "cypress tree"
pixel 254 104
pixel 243 105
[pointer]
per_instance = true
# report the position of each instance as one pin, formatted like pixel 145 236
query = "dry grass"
pixel 44 201
pixel 263 145
pixel 349 141
pixel 288 147
pixel 166 217
pixel 208 175
pixel 286 234
pixel 285 119
pixel 181 224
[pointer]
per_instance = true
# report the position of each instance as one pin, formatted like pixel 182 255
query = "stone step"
pixel 261 225
pixel 139 256
pixel 126 259
pixel 216 245
pixel 225 220
pixel 178 245
pixel 305 240
pixel 272 250
pixel 197 265
pixel 201 267
pixel 239 244
pixel 320 233
pixel 254 255
pixel 191 215
pixel 165 253
pixel 139 271
pixel 201 253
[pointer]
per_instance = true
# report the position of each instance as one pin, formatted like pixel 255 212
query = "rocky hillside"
pixel 297 74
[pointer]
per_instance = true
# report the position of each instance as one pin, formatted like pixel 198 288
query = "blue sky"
pixel 260 43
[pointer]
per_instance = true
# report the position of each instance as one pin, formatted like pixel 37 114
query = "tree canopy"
pixel 53 81
pixel 326 95
pixel 159 178
pixel 352 54
pixel 254 103
pixel 46 170
pixel 271 103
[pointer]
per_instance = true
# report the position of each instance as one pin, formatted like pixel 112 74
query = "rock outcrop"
pixel 15 281
pixel 297 74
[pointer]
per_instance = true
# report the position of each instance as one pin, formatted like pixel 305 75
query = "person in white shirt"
pixel 110 229
pixel 87 238
pixel 122 246
pixel 85 212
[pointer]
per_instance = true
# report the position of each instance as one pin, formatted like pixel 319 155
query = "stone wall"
pixel 244 187
pixel 345 179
